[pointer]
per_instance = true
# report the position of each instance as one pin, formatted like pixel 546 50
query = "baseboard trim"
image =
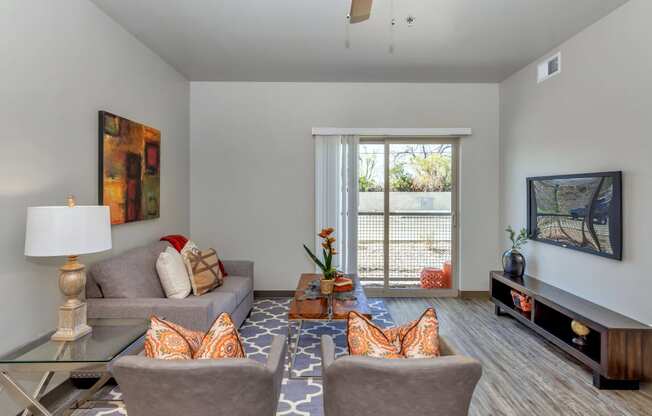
pixel 464 294
pixel 274 293
pixel 474 294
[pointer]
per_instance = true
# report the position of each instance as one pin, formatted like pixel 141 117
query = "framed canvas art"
pixel 130 169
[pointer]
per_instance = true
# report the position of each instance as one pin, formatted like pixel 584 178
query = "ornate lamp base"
pixel 72 323
pixel 72 314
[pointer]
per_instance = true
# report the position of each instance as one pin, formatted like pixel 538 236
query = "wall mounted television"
pixel 581 212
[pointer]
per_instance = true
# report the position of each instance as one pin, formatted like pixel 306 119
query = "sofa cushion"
pixel 93 290
pixel 238 285
pixel 221 301
pixel 192 312
pixel 131 274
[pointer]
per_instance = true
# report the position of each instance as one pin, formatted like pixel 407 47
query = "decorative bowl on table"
pixel 521 301
pixel 582 331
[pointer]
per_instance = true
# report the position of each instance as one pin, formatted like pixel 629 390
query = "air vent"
pixel 549 68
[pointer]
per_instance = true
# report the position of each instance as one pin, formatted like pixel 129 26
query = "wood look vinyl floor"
pixel 523 375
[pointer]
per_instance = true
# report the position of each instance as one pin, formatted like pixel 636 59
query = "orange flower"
pixel 330 240
pixel 326 232
pixel 325 245
pixel 333 251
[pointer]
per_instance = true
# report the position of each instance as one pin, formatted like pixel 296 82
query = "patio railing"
pixel 416 240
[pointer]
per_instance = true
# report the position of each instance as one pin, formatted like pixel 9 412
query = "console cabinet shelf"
pixel 618 348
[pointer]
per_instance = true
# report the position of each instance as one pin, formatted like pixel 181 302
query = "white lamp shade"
pixel 67 231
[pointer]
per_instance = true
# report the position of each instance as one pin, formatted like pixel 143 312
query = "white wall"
pixel 61 62
pixel 252 164
pixel 594 116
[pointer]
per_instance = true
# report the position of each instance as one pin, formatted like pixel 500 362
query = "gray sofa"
pixel 242 386
pixel 127 286
pixel 365 386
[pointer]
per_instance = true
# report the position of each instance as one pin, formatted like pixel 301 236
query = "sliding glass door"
pixel 407 216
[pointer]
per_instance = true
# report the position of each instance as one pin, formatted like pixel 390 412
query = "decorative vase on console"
pixel 513 259
pixel 329 273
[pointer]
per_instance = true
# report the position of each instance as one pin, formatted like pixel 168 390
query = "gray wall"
pixel 594 116
pixel 252 170
pixel 61 62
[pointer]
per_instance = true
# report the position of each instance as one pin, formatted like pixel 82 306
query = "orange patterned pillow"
pixel 366 339
pixel 395 334
pixel 221 341
pixel 421 339
pixel 416 339
pixel 164 342
pixel 193 338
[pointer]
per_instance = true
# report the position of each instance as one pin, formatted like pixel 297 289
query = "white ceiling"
pixel 305 40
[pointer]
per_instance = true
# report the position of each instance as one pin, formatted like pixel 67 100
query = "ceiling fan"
pixel 360 11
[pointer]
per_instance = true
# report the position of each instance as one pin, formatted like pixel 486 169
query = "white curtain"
pixel 336 195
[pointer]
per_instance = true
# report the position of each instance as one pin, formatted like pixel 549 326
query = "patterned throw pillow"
pixel 416 339
pixel 165 343
pixel 221 341
pixel 193 338
pixel 396 333
pixel 421 339
pixel 366 339
pixel 190 246
pixel 205 273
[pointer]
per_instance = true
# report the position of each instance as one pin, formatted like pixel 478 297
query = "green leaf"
pixel 314 258
pixel 328 259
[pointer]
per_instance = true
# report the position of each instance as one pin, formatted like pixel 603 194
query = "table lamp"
pixel 69 231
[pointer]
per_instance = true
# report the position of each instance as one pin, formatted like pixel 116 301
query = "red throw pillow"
pixel 176 240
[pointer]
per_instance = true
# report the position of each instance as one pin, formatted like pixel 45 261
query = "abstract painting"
pixel 130 169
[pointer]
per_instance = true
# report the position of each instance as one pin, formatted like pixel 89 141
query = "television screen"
pixel 581 212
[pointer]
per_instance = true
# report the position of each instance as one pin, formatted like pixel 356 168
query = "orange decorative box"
pixel 433 278
pixel 521 301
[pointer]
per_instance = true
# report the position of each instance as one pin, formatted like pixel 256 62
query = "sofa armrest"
pixel 327 352
pixel 191 312
pixel 243 268
pixel 445 347
pixel 276 362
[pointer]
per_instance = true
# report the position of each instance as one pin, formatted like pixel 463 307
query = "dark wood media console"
pixel 618 348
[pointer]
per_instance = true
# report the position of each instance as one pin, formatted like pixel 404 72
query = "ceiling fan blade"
pixel 360 10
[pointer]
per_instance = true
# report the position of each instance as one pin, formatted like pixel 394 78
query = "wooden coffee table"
pixel 325 308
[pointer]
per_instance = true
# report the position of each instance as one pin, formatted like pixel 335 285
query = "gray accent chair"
pixel 127 286
pixel 242 387
pixel 365 386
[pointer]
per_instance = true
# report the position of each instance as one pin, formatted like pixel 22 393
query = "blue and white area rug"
pixel 269 317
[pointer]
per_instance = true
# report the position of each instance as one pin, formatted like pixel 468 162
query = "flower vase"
pixel 513 263
pixel 326 286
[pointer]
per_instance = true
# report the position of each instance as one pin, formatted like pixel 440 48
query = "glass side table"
pixel 110 339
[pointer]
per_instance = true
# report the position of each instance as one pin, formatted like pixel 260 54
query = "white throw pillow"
pixel 173 274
